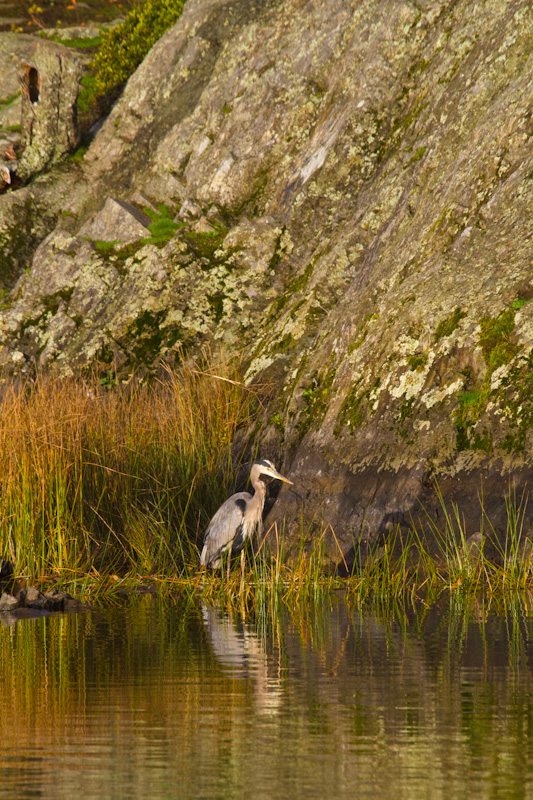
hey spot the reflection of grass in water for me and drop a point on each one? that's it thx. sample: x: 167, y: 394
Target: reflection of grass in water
x: 307, y: 674
x: 160, y: 633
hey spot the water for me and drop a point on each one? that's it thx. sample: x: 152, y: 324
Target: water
x: 161, y: 699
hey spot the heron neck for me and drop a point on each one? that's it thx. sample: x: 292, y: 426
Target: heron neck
x: 259, y: 493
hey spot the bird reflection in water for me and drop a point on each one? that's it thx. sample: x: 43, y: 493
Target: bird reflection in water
x: 241, y: 654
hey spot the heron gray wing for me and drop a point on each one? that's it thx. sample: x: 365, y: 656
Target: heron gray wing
x: 224, y: 528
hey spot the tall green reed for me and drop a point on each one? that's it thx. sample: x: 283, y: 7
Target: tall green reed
x: 121, y: 479
x: 414, y: 566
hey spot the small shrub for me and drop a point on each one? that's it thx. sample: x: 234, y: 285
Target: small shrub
x: 125, y: 46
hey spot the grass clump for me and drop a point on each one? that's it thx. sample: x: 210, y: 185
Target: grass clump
x: 162, y: 228
x: 113, y: 479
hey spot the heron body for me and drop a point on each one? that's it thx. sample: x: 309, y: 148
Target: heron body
x: 238, y: 518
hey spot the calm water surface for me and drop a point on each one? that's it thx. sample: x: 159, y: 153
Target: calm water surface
x: 161, y: 699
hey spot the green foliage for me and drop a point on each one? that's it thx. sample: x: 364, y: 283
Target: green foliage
x: 277, y: 420
x: 87, y: 94
x: 105, y: 247
x: 78, y: 154
x: 77, y: 42
x: 469, y: 399
x: 125, y: 46
x: 519, y: 303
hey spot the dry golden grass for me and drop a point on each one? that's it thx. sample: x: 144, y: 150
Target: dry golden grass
x: 120, y: 479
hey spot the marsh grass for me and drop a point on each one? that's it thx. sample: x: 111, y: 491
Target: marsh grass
x: 114, y: 481
x: 416, y: 567
x: 105, y: 486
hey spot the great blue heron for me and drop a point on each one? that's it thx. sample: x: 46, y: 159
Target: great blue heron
x: 238, y: 518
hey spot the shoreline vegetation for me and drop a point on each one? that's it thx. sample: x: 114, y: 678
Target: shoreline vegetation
x: 108, y: 488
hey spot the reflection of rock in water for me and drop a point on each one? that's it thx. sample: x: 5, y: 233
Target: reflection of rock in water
x: 241, y: 653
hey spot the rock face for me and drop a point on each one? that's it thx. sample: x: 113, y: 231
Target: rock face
x: 50, y: 81
x: 342, y: 188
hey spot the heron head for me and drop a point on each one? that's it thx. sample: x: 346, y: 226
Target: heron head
x: 267, y: 468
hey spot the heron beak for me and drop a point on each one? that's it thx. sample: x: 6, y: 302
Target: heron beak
x: 281, y: 478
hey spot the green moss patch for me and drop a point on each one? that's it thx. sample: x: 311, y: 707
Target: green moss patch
x: 105, y: 247
x: 355, y: 406
x: 418, y: 155
x: 216, y: 303
x: 316, y: 401
x: 76, y: 42
x: 417, y: 360
x: 495, y: 339
x: 514, y: 396
x: 471, y: 406
x: 447, y: 326
x: 206, y: 243
x: 519, y: 303
x: 162, y: 228
x: 147, y: 335
x: 117, y: 253
x: 78, y: 154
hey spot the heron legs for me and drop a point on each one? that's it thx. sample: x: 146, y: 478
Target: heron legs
x: 228, y: 567
x: 242, y: 569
